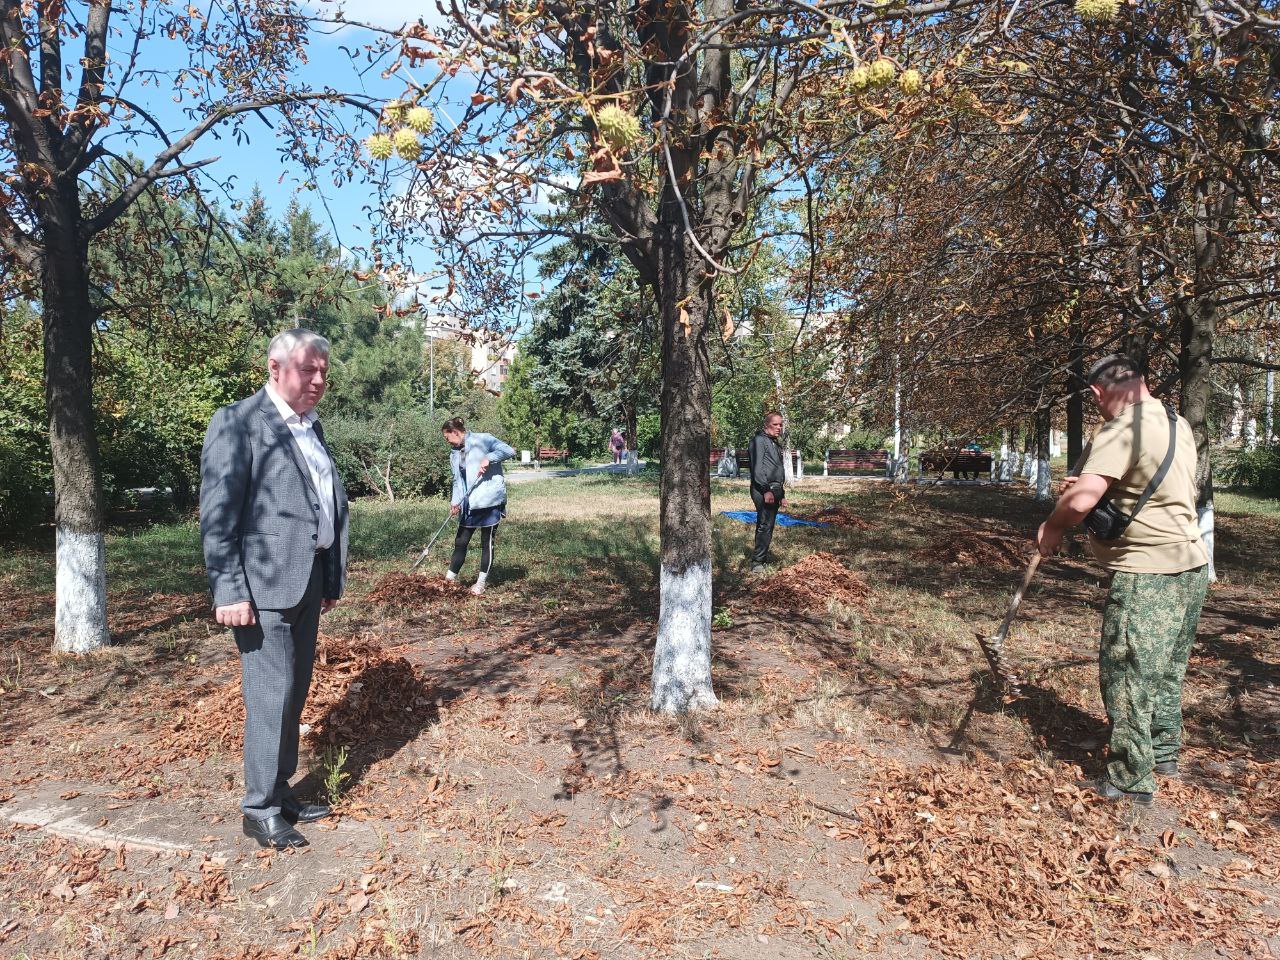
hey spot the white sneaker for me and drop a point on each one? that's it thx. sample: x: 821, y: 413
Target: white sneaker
x: 477, y: 589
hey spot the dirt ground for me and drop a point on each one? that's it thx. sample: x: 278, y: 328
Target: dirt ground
x: 863, y: 789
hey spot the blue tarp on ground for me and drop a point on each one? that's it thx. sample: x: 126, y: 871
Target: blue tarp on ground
x: 784, y: 520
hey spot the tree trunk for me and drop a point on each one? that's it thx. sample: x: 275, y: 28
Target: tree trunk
x: 1044, y: 482
x: 682, y: 656
x: 1198, y: 322
x: 1075, y: 409
x: 80, y: 622
x: 1270, y: 410
x: 1250, y: 404
x: 1074, y: 429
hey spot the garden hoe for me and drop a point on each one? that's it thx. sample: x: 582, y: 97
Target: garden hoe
x: 993, y: 646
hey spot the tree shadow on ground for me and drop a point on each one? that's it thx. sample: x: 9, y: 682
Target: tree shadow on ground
x: 386, y: 706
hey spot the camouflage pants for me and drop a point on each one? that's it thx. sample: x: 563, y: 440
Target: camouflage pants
x: 1148, y: 627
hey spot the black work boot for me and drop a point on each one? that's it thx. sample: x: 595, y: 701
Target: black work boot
x: 1167, y: 768
x: 1109, y: 791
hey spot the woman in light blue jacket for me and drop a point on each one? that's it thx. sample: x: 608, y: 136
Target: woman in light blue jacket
x: 479, y: 494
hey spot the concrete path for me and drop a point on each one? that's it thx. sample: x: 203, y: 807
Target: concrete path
x: 94, y: 815
x: 524, y: 476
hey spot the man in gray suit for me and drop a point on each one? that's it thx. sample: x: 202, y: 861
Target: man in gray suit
x: 273, y: 521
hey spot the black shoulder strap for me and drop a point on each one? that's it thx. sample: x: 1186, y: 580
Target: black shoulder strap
x: 1164, y: 464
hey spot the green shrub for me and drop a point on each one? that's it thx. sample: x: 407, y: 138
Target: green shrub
x: 403, y: 452
x: 1257, y: 469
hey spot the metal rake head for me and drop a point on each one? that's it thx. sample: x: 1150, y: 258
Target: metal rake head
x: 993, y: 650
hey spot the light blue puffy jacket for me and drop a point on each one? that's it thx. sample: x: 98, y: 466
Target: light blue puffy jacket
x: 492, y: 488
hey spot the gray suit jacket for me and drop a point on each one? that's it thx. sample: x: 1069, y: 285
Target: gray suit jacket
x: 259, y: 510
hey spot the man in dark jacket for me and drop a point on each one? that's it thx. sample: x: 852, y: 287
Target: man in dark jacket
x: 766, y: 485
x: 273, y: 521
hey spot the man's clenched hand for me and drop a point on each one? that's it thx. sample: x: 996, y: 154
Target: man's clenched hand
x: 236, y: 614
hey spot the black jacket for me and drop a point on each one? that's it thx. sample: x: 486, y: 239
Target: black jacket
x: 766, y: 464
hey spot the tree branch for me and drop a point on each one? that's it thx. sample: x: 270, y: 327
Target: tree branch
x: 112, y: 211
x: 1246, y: 362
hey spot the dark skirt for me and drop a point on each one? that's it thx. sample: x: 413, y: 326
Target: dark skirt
x: 483, y: 517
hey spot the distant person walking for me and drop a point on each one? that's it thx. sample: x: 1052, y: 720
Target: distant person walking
x: 617, y: 445
x: 479, y: 495
x: 273, y: 523
x: 767, y: 493
x: 1136, y: 495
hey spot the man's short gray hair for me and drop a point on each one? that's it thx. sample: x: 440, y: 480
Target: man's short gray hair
x: 283, y: 344
x: 1109, y: 371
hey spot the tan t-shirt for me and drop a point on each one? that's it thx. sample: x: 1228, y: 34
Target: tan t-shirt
x: 1164, y: 537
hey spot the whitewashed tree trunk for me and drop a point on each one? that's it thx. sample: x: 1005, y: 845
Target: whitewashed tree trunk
x: 80, y: 621
x: 902, y: 462
x: 682, y: 658
x: 1237, y: 413
x: 1043, y: 452
x: 1044, y: 481
x: 1270, y: 413
x: 1250, y: 432
x: 682, y: 653
x: 79, y: 513
x: 1204, y: 516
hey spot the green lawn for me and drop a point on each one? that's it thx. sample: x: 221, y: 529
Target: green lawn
x: 1242, y: 501
x: 559, y: 530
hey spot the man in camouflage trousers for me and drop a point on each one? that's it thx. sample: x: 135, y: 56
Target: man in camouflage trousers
x: 1159, y: 571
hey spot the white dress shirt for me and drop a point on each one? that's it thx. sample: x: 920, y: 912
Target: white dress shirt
x: 317, y: 460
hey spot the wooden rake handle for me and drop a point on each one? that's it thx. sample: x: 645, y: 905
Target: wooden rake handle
x: 1016, y: 600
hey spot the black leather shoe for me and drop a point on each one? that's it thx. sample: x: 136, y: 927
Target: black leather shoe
x: 295, y: 811
x: 1109, y: 791
x: 1169, y: 768
x: 275, y: 832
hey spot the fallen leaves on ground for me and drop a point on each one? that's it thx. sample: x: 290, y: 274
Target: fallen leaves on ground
x: 811, y: 585
x: 406, y: 589
x: 837, y: 515
x: 1019, y: 853
x: 361, y: 693
x: 980, y: 550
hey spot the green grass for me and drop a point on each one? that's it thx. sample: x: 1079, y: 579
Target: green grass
x: 565, y: 531
x: 1242, y: 501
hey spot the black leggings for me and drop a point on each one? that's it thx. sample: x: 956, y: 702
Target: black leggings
x: 463, y: 540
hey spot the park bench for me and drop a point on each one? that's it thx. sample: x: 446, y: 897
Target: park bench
x: 552, y: 454
x: 743, y: 456
x: 854, y: 460
x: 957, y: 461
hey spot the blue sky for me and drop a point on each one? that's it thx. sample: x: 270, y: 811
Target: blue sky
x: 344, y: 209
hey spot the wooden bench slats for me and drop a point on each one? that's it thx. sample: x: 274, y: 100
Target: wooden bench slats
x: 857, y: 460
x: 958, y: 461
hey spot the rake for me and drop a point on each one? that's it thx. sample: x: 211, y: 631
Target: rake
x: 426, y: 551
x: 993, y: 646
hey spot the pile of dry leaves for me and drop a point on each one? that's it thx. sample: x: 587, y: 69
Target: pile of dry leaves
x: 361, y: 692
x: 978, y: 550
x: 407, y: 589
x: 837, y: 516
x: 811, y: 585
x: 1020, y: 854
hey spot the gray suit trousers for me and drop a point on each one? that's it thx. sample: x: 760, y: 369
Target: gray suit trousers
x: 276, y: 658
